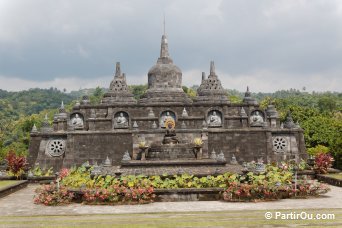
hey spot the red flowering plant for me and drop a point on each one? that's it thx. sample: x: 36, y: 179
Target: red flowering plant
x: 16, y: 164
x: 307, y: 188
x: 323, y: 162
x: 116, y: 194
x: 238, y: 192
x: 52, y: 195
x: 63, y: 173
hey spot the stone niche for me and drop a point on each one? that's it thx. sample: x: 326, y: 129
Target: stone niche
x: 257, y: 118
x: 214, y: 118
x: 76, y: 121
x: 121, y: 120
x: 164, y: 116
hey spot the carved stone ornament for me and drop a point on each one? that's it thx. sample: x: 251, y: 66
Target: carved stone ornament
x: 280, y: 144
x: 55, y: 147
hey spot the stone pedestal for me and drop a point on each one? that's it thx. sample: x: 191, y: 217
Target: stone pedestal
x: 143, y: 152
x: 198, y: 152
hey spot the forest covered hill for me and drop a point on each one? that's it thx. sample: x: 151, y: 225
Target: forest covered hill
x: 319, y: 114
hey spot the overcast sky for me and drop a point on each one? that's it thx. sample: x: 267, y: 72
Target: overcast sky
x: 266, y: 44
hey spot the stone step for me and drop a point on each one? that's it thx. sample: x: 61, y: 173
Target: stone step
x: 190, y: 162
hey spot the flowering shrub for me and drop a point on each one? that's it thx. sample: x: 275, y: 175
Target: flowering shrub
x: 118, y: 194
x: 274, y: 183
x: 249, y: 192
x: 323, y: 162
x: 50, y: 195
x: 265, y: 191
x: 311, y: 188
x: 16, y: 164
x: 63, y: 173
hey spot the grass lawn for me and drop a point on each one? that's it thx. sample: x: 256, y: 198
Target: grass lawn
x: 335, y: 175
x: 185, y: 219
x: 5, y: 183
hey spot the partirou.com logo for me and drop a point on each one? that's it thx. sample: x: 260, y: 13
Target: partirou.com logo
x: 278, y: 215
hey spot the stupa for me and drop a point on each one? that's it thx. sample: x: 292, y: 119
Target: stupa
x: 123, y: 127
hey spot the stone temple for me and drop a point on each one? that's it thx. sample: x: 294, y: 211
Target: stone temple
x: 162, y: 127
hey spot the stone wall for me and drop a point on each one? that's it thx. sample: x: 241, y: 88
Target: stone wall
x: 95, y: 146
x: 99, y: 138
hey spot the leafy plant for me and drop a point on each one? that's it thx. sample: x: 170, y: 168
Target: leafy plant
x: 16, y: 164
x: 38, y: 172
x: 266, y: 191
x: 78, y: 177
x: 319, y: 149
x: 198, y: 142
x: 323, y: 162
x: 302, y: 165
x: 142, y: 144
x: 118, y: 194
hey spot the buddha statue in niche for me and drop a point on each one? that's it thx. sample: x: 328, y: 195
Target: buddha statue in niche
x: 214, y: 120
x: 77, y: 122
x: 121, y: 121
x: 256, y: 119
x: 164, y: 118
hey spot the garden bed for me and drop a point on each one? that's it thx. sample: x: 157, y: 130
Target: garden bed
x: 9, y: 186
x: 78, y: 185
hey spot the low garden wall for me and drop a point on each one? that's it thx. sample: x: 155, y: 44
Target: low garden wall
x: 17, y: 185
x: 330, y: 180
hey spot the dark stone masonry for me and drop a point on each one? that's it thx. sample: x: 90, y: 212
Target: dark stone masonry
x: 166, y: 125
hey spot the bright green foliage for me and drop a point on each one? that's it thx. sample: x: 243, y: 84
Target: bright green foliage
x: 319, y: 149
x: 138, y: 90
x: 319, y: 114
x: 96, y: 97
x: 235, y: 99
x: 190, y: 92
x: 78, y: 177
x: 38, y: 172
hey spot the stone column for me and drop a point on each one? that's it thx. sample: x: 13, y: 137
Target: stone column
x: 204, y: 137
x: 269, y: 147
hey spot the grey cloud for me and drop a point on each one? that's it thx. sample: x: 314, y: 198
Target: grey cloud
x: 45, y: 39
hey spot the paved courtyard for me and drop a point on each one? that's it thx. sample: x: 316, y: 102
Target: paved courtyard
x: 21, y: 204
x: 18, y: 210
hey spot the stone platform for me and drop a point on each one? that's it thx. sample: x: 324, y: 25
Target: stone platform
x: 167, y: 152
x: 198, y: 170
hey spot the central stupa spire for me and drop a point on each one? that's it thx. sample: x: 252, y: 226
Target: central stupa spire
x: 165, y: 80
x: 164, y: 50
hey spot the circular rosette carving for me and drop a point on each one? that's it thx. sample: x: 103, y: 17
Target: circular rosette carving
x: 55, y: 147
x: 279, y: 144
